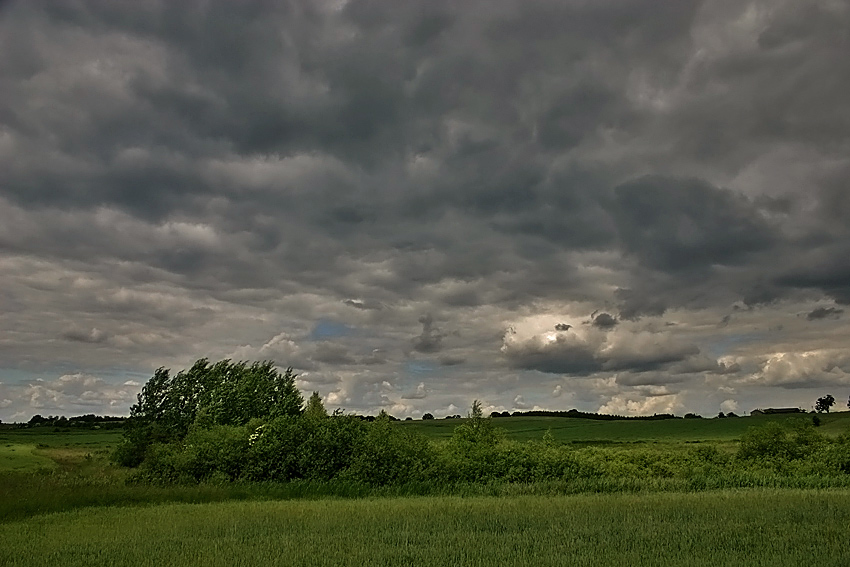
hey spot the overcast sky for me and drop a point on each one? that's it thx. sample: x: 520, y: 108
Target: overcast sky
x: 620, y: 206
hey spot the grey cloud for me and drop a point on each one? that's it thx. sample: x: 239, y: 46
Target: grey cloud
x: 452, y: 360
x: 827, y: 275
x: 570, y: 353
x: 76, y: 334
x: 824, y: 313
x: 649, y: 379
x: 374, y: 358
x: 566, y: 354
x: 431, y: 339
x: 78, y: 392
x: 634, y: 304
x: 201, y: 176
x: 330, y: 353
x: 681, y: 224
x: 803, y: 370
x: 604, y: 321
x: 419, y: 394
x: 359, y: 304
x: 645, y: 351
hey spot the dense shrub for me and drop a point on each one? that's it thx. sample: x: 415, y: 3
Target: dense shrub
x: 777, y: 444
x: 390, y: 455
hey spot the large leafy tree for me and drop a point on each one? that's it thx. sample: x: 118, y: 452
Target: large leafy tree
x: 223, y: 393
x: 823, y: 404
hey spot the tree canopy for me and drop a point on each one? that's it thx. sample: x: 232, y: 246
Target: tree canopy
x: 221, y: 393
x: 824, y: 403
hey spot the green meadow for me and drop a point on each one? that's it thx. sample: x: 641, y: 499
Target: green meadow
x: 669, y: 492
x: 726, y: 528
x: 578, y: 430
x: 23, y: 457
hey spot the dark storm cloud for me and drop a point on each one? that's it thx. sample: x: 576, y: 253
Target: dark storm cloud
x: 685, y: 224
x: 634, y: 303
x: 568, y: 352
x: 604, y: 321
x: 183, y: 176
x: 828, y: 275
x: 824, y: 313
x: 361, y: 87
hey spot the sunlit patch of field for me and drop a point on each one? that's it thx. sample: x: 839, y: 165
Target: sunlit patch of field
x: 21, y: 457
x: 723, y: 528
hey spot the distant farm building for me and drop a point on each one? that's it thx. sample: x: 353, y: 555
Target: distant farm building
x: 771, y: 411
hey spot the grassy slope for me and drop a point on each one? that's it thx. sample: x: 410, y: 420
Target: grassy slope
x: 31, y: 450
x: 754, y: 528
x: 91, y: 439
x: 22, y: 457
x: 569, y: 430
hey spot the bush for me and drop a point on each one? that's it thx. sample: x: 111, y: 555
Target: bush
x: 390, y: 455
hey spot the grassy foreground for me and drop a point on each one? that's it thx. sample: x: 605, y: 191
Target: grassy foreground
x: 753, y: 528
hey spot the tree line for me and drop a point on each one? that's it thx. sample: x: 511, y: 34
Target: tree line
x: 234, y: 421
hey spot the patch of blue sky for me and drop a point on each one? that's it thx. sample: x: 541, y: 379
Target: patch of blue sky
x: 723, y: 345
x: 419, y: 368
x: 327, y: 329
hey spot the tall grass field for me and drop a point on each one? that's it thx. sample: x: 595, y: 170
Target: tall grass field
x: 725, y: 528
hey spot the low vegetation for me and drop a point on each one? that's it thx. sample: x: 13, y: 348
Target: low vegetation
x: 279, y: 477
x: 230, y: 422
x: 726, y: 528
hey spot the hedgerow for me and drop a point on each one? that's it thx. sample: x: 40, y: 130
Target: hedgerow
x: 229, y: 439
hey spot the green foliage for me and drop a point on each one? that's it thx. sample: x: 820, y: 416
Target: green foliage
x: 224, y: 393
x: 795, y: 450
x: 390, y: 455
x: 207, y: 453
x: 478, y: 431
x: 315, y: 408
x: 316, y: 447
x: 823, y: 404
x: 23, y: 458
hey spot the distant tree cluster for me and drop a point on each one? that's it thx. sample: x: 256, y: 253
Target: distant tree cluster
x: 589, y: 415
x: 88, y: 420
